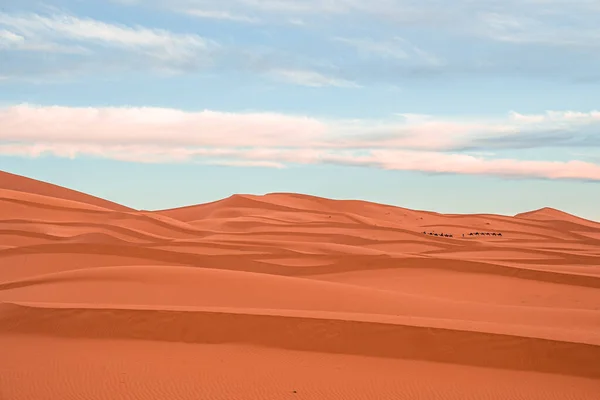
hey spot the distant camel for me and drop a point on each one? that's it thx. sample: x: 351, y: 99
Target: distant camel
x: 476, y: 233
x: 488, y: 234
x: 494, y: 234
x: 430, y: 234
x: 435, y: 234
x: 470, y: 233
x: 499, y: 234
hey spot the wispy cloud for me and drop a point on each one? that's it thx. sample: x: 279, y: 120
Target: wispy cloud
x: 500, y: 38
x: 540, y: 30
x: 401, y: 160
x: 18, y: 42
x: 10, y: 39
x: 261, y: 164
x: 417, y: 143
x: 108, y: 47
x: 220, y: 15
x: 527, y: 38
x: 310, y: 78
x: 298, y: 6
x: 551, y: 129
x: 67, y: 33
x: 546, y: 22
x: 385, y: 49
x: 396, y: 48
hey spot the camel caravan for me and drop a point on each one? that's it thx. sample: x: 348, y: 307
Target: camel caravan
x: 438, y: 234
x: 448, y: 235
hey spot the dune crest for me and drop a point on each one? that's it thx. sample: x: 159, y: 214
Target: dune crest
x: 310, y: 296
x: 27, y: 185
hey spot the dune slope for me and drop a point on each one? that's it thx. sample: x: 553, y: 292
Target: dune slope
x: 28, y: 185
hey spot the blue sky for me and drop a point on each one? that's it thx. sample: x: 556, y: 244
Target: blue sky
x: 473, y: 106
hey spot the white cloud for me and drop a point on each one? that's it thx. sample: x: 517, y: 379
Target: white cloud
x: 154, y: 125
x: 9, y: 39
x: 67, y: 33
x: 558, y: 116
x: 401, y: 160
x: 396, y: 48
x: 310, y: 78
x: 541, y: 30
x: 299, y: 6
x: 108, y: 46
x: 147, y: 125
x: 12, y: 41
x: 562, y: 22
x: 95, y: 46
x: 297, y: 21
x: 261, y: 164
x: 277, y: 7
x: 220, y: 15
x: 418, y: 143
x: 385, y: 49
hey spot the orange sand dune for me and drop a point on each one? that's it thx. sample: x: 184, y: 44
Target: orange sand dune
x: 287, y: 296
x: 27, y: 185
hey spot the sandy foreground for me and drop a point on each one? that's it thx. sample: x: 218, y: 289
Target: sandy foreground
x: 288, y: 296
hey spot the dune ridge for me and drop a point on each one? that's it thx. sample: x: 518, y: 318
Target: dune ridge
x: 388, y: 338
x: 285, y: 273
x: 27, y: 185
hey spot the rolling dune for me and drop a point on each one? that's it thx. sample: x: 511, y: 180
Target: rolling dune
x: 287, y: 296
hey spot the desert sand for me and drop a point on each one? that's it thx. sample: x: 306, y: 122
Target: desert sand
x: 290, y: 296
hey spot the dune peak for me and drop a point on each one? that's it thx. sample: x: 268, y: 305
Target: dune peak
x: 549, y: 213
x: 24, y: 184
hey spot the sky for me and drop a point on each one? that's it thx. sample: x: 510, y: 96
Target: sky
x: 468, y: 106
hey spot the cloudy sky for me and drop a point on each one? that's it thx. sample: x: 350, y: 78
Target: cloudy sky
x: 463, y: 106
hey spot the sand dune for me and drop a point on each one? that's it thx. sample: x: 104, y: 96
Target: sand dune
x: 27, y: 185
x: 292, y: 296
